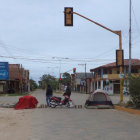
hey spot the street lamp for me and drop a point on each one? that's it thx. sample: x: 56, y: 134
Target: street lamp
x: 85, y: 75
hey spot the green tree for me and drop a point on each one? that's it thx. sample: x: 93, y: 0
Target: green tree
x: 48, y: 79
x: 66, y: 78
x: 134, y: 89
x: 33, y: 84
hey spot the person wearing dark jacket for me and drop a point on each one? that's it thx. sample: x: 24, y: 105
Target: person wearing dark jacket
x: 49, y: 93
x: 68, y: 90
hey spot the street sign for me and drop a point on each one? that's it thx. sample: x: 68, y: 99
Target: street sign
x: 68, y: 15
x: 119, y: 58
x: 4, y: 71
x: 121, y: 76
x: 107, y: 82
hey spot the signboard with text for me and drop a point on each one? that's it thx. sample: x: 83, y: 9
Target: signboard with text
x: 4, y: 71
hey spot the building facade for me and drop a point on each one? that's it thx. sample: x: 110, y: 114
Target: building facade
x: 18, y: 80
x: 81, y: 82
x: 107, y: 77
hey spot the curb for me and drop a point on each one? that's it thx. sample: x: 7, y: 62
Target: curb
x: 132, y: 111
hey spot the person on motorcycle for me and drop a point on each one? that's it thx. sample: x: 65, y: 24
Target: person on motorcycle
x: 49, y: 93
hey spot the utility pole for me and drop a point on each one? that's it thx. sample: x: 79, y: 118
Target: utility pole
x: 21, y: 78
x: 86, y: 77
x: 130, y: 36
x: 60, y: 81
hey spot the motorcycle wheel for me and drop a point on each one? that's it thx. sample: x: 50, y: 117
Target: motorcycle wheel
x: 53, y: 105
x: 68, y: 104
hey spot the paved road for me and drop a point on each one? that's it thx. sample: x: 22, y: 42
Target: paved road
x: 82, y: 124
x: 79, y: 124
x: 40, y: 94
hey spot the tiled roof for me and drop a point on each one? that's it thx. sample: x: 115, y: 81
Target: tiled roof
x: 135, y: 62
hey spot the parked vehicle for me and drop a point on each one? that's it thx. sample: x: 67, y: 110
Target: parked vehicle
x: 57, y: 101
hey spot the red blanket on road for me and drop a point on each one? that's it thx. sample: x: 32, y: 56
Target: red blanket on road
x: 26, y: 102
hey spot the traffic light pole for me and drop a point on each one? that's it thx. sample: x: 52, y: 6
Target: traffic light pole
x: 130, y: 37
x: 86, y: 77
x: 120, y: 48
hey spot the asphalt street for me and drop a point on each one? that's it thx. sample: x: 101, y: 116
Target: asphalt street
x: 82, y: 124
x: 73, y: 124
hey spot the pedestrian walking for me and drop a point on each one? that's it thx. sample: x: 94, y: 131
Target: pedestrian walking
x: 68, y: 90
x: 49, y: 93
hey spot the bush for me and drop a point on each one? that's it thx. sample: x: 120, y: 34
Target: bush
x: 129, y: 104
x: 134, y: 89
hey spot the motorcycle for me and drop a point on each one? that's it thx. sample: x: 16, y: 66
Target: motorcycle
x: 57, y: 101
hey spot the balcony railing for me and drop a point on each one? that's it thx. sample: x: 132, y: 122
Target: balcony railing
x: 113, y: 76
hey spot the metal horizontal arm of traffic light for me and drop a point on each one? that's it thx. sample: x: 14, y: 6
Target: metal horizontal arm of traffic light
x: 68, y: 12
x: 66, y: 71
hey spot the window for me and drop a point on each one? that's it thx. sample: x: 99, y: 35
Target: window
x: 118, y: 70
x: 110, y: 71
x: 134, y: 70
x: 105, y: 71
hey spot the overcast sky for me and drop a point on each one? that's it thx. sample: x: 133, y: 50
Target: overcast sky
x: 33, y: 32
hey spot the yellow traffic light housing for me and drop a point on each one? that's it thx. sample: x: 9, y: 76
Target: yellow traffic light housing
x: 68, y: 15
x: 119, y: 58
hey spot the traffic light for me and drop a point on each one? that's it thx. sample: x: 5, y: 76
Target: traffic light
x: 60, y: 79
x: 119, y: 58
x: 68, y: 15
x: 74, y: 70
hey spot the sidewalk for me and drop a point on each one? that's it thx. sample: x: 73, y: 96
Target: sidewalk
x: 116, y: 98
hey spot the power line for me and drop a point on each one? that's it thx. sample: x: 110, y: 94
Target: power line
x: 50, y: 61
x: 28, y: 59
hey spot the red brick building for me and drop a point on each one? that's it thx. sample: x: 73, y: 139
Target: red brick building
x: 18, y: 80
